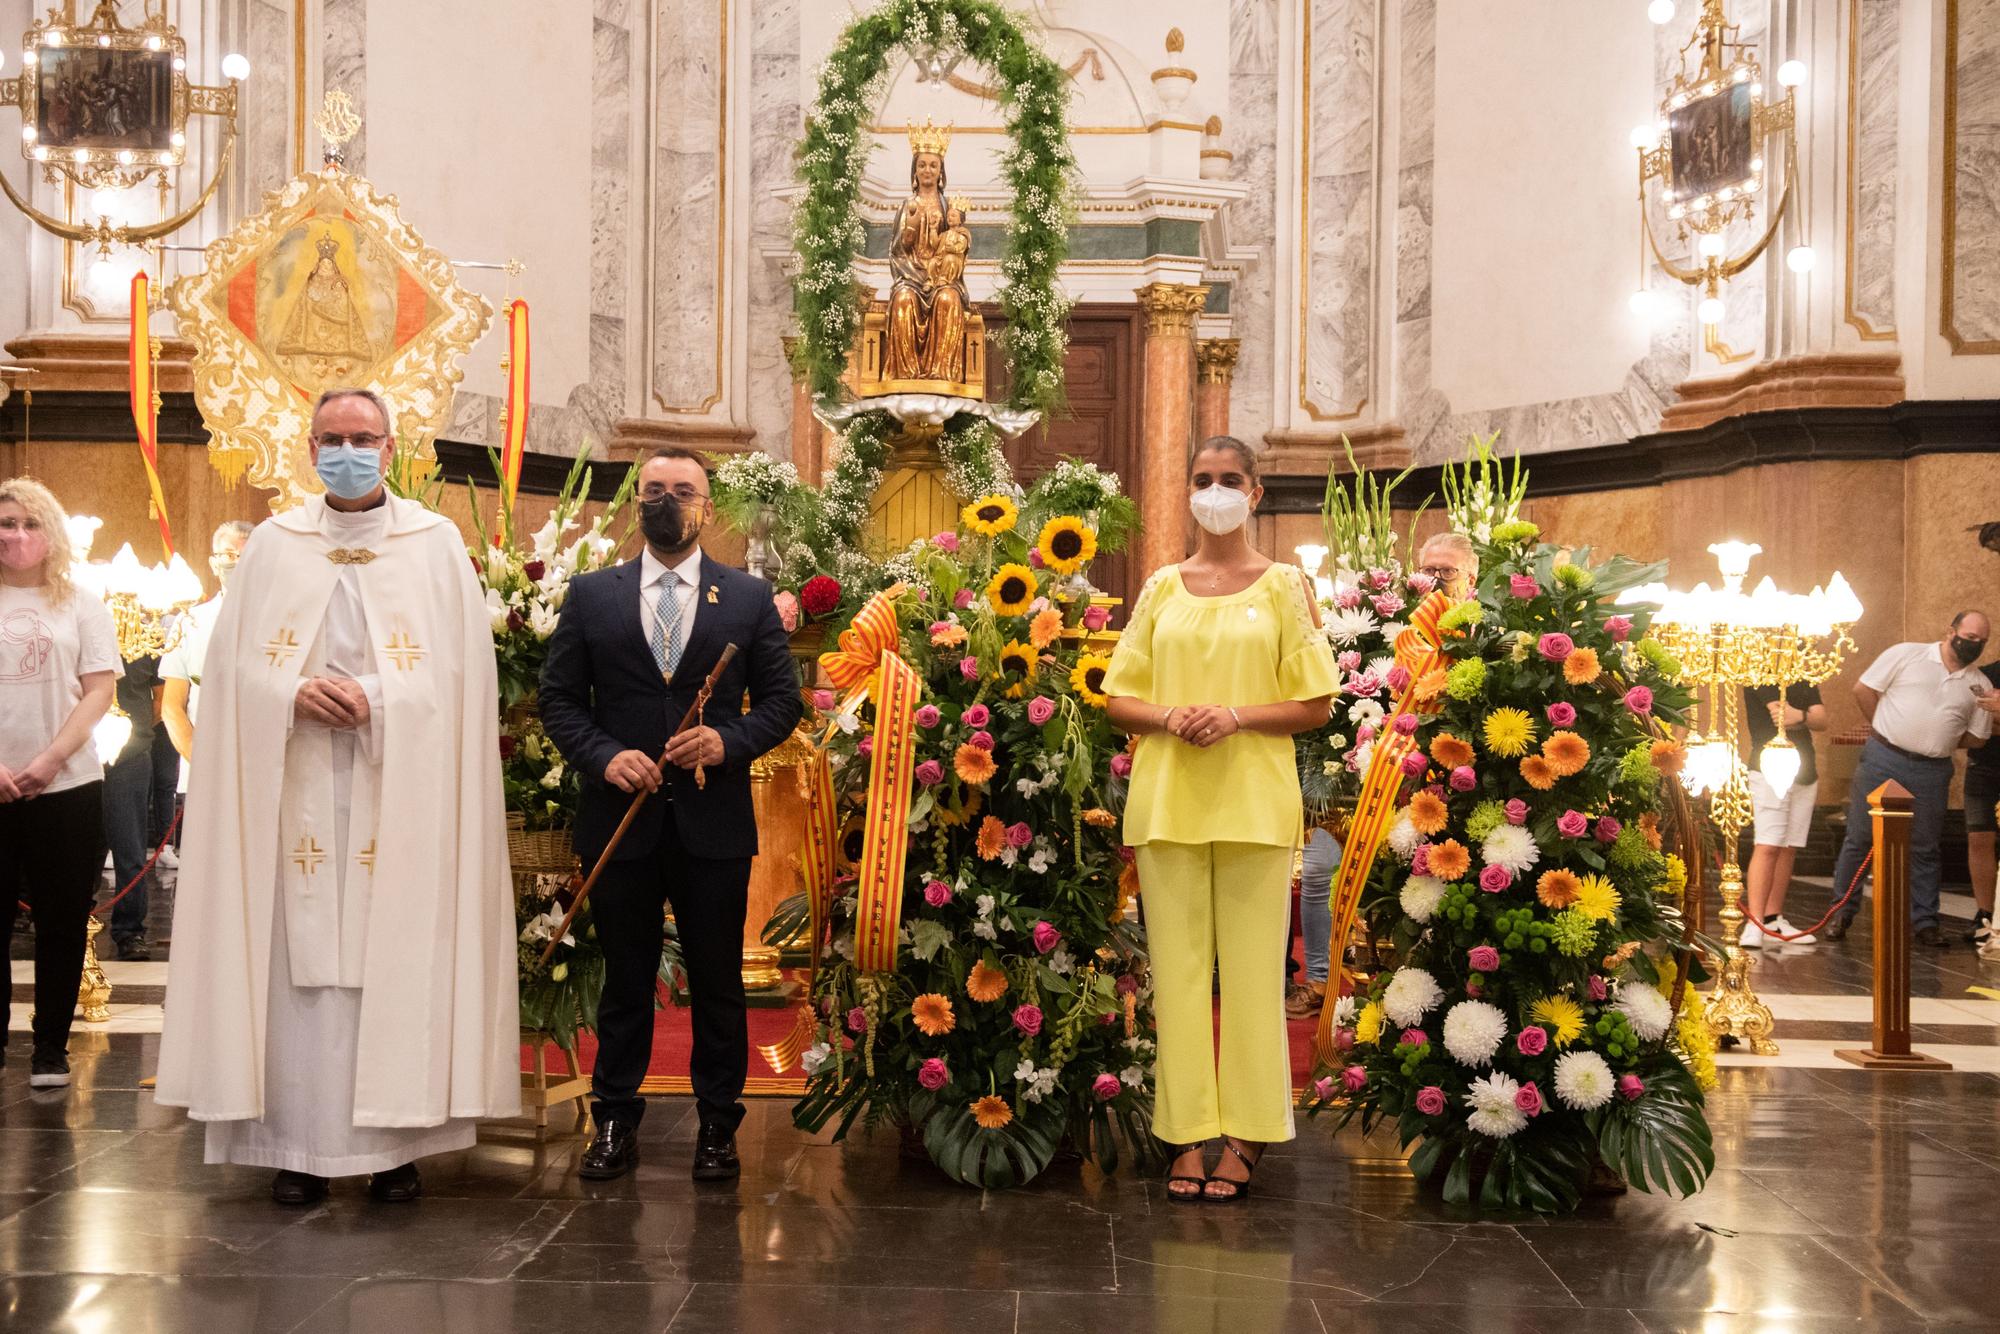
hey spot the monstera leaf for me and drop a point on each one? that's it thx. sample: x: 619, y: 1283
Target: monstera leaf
x: 992, y: 1159
x: 1661, y: 1140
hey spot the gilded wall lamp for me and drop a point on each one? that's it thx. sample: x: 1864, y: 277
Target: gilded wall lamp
x: 106, y: 107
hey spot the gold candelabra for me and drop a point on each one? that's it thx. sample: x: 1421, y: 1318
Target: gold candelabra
x: 1727, y: 639
x: 146, y: 602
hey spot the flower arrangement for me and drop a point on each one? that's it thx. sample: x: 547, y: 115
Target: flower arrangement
x: 560, y: 997
x: 1018, y: 1017
x: 1526, y: 1030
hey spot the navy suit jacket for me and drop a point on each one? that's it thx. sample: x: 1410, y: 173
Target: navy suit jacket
x: 601, y: 693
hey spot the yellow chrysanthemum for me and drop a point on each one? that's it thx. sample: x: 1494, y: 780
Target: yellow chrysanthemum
x: 1046, y: 628
x: 992, y: 1112
x: 1598, y: 898
x: 990, y: 516
x: 1067, y: 544
x: 1562, y: 1016
x: 1011, y: 589
x: 1677, y: 876
x: 1018, y: 662
x: 1368, y: 1024
x: 1508, y: 732
x: 1087, y: 679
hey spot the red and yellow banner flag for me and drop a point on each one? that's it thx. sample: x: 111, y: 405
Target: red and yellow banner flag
x: 146, y: 403
x: 514, y: 437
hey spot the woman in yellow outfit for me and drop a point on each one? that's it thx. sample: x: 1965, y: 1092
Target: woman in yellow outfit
x: 1222, y: 662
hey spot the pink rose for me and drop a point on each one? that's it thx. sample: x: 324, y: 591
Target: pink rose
x: 1532, y: 1040
x: 1019, y: 835
x: 1420, y: 860
x: 930, y: 773
x: 1128, y: 985
x: 1608, y: 830
x: 823, y: 700
x: 1517, y: 811
x: 1493, y: 879
x: 946, y: 541
x: 1631, y: 1088
x: 1572, y: 824
x: 1430, y: 1100
x: 1348, y: 661
x: 1034, y: 558
x: 968, y: 667
x: 1555, y: 646
x: 1415, y: 763
x: 1323, y: 1087
x: 1639, y: 699
x: 976, y: 716
x: 1398, y: 679
x: 1105, y: 1087
x: 1387, y: 605
x: 1522, y: 585
x: 1354, y: 1078
x: 933, y: 1074
x: 1096, y: 618
x: 964, y: 598
x: 1474, y: 990
x: 1463, y: 779
x: 1046, y: 937
x: 927, y: 716
x: 1415, y: 1037
x: 1347, y: 599
x: 1619, y: 628
x: 1528, y: 1099
x: 1343, y: 1039
x: 1561, y: 714
x: 1028, y: 1018
x: 937, y: 893
x: 1040, y: 709
x: 1598, y: 988
x: 866, y: 748
x: 1405, y: 724
x: 983, y: 740
x: 1483, y: 958
x: 1121, y: 765
x: 857, y: 1020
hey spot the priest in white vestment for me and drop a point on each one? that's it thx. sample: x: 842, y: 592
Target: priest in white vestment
x: 342, y: 997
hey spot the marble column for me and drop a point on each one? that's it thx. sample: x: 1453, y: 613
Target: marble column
x: 1166, y: 421
x: 808, y: 450
x: 1215, y: 373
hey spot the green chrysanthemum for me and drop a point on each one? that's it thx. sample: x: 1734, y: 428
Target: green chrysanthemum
x: 1461, y: 616
x: 1574, y: 577
x: 1486, y: 817
x: 1515, y: 530
x: 1465, y: 679
x: 1573, y: 932
x: 1631, y: 850
x: 1663, y: 662
x: 1637, y: 768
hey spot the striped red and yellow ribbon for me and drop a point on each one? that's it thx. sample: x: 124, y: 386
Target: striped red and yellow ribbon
x: 514, y: 439
x: 885, y: 837
x: 145, y: 403
x: 816, y: 857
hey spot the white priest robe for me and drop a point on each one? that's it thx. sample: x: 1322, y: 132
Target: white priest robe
x: 342, y: 998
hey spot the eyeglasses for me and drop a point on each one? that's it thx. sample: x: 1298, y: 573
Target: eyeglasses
x: 369, y: 440
x: 685, y: 492
x: 1444, y: 572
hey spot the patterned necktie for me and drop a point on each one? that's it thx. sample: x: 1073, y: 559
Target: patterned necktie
x: 666, y: 636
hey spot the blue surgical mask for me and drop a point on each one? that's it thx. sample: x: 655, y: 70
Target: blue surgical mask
x: 350, y: 472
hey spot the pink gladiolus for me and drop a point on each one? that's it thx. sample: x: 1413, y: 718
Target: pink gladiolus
x: 1121, y: 765
x: 1631, y: 1088
x: 1493, y: 879
x: 1105, y: 1087
x: 1096, y: 618
x: 1040, y: 709
x: 1561, y: 714
x: 927, y: 716
x: 1483, y: 958
x: 1019, y: 835
x: 1608, y: 830
x: 1028, y: 1018
x: 1430, y: 1100
x: 1405, y: 724
x: 1529, y: 1100
x: 930, y: 773
x: 823, y: 700
x: 1572, y: 824
x: 933, y: 1074
x: 1354, y: 1078
x: 1046, y: 937
x: 1597, y: 988
x: 1415, y: 763
x: 1517, y: 811
x: 946, y: 541
x: 1532, y: 1040
x: 1639, y: 699
x: 968, y: 667
x: 983, y: 740
x: 1556, y: 646
x: 1463, y: 779
x: 857, y: 1020
x: 1619, y: 628
x: 964, y: 598
x: 1522, y: 585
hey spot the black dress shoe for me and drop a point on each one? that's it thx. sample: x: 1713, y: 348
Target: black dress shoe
x: 715, y: 1155
x: 1932, y: 937
x: 298, y: 1188
x: 134, y: 949
x: 613, y: 1153
x: 1838, y: 928
x: 398, y: 1185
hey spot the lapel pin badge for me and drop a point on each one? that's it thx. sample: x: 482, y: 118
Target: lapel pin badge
x: 712, y: 598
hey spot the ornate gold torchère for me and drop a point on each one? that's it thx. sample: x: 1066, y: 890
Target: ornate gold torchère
x: 1727, y: 639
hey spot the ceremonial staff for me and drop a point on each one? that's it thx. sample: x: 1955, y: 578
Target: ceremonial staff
x: 692, y: 718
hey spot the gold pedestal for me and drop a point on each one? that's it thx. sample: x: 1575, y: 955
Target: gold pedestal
x: 1733, y: 1009
x: 761, y: 970
x: 95, y: 993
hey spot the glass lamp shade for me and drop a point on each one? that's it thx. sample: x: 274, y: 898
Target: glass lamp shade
x: 113, y: 730
x: 82, y: 529
x: 1841, y: 602
x: 1692, y: 775
x: 1310, y: 557
x: 126, y: 574
x: 180, y: 584
x: 1779, y: 763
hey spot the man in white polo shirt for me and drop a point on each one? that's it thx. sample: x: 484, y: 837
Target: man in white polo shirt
x: 1922, y: 702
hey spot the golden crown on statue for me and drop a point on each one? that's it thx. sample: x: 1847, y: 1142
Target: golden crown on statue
x: 962, y: 204
x: 929, y: 137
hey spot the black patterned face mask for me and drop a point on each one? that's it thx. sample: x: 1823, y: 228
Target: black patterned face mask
x: 663, y: 522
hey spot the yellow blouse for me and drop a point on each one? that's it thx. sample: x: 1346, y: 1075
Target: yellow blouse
x: 1257, y: 646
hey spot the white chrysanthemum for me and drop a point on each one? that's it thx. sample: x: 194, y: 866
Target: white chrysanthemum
x: 1583, y: 1080
x: 1472, y: 1032
x: 1381, y: 666
x: 1344, y: 1011
x: 1421, y: 896
x: 1492, y: 1102
x: 1403, y: 837
x: 1511, y: 846
x: 1647, y: 1009
x: 1410, y: 995
x: 1346, y: 625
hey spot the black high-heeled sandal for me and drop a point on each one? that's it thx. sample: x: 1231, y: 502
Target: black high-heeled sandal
x: 1237, y: 1189
x: 1199, y: 1183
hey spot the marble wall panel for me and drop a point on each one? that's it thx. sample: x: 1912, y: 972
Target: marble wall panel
x: 344, y: 66
x: 1875, y: 54
x: 1973, y: 273
x: 691, y: 64
x: 775, y: 117
x: 1250, y: 124
x: 1339, y: 224
x: 264, y: 120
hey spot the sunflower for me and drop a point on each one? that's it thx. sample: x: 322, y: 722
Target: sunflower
x: 1087, y: 679
x: 932, y: 1015
x: 1566, y: 753
x: 1540, y: 774
x: 989, y: 516
x: 1045, y: 628
x: 1598, y: 898
x: 1017, y: 667
x: 1449, y: 751
x: 1669, y: 757
x: 1011, y: 589
x: 991, y: 1112
x: 1558, y: 888
x: 985, y: 983
x: 973, y: 764
x: 992, y: 838
x: 951, y: 817
x: 1562, y: 1016
x: 1427, y: 813
x: 1449, y: 860
x: 1580, y: 668
x: 1067, y: 544
x: 1508, y: 732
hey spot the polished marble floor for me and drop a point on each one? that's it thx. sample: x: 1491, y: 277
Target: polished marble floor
x: 1842, y: 1200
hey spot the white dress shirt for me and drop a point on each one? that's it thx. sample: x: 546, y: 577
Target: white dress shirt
x: 1925, y: 708
x: 651, y: 574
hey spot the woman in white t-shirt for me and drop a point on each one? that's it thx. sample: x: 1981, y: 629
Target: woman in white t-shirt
x: 58, y: 667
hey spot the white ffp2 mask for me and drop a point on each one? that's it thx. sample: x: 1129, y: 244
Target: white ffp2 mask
x: 1220, y: 509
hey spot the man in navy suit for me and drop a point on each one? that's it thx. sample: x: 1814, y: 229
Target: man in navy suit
x: 631, y: 650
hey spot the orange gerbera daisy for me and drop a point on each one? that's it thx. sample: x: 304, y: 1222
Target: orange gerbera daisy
x: 1099, y: 818
x: 1541, y: 775
x: 992, y: 1113
x: 1449, y: 751
x: 1649, y: 826
x: 1669, y: 757
x: 1045, y: 628
x: 984, y: 983
x: 992, y: 838
x: 1449, y: 860
x: 1580, y: 668
x: 1557, y: 889
x: 948, y: 634
x: 974, y: 765
x: 1427, y: 813
x: 1430, y: 685
x: 932, y: 1015
x: 1566, y: 753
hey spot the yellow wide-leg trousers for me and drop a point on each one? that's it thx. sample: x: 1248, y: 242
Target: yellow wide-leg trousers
x: 1204, y: 903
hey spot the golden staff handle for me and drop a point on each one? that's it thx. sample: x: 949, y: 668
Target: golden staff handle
x: 692, y: 718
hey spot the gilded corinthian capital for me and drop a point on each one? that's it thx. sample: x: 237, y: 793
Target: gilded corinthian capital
x: 1215, y: 358
x: 1171, y: 308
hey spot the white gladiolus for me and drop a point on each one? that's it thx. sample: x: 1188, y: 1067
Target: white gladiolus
x: 1583, y: 1080
x: 1473, y: 1030
x: 496, y: 610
